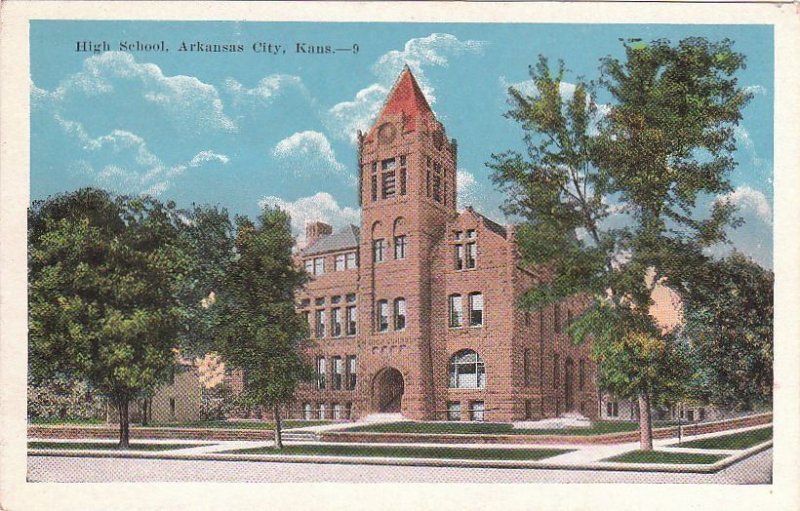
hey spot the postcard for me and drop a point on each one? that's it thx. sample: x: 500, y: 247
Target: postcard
x: 430, y: 255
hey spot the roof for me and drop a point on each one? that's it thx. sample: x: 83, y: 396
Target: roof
x: 407, y: 99
x: 342, y: 239
x: 490, y: 224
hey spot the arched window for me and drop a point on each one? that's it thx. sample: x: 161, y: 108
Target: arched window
x: 467, y: 371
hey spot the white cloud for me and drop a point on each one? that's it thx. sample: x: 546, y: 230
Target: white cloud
x: 208, y: 156
x: 320, y: 207
x: 419, y: 53
x: 758, y: 90
x: 185, y: 101
x: 749, y: 201
x: 466, y: 189
x: 267, y: 89
x: 528, y: 88
x: 308, y: 153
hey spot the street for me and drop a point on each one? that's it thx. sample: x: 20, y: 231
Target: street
x: 754, y: 470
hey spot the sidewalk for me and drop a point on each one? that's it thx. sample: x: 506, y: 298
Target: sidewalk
x: 580, y: 457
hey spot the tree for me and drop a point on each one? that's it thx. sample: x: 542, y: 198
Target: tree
x: 102, y: 293
x: 607, y: 194
x: 729, y: 322
x: 260, y: 330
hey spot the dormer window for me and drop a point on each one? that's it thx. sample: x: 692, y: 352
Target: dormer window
x: 319, y: 266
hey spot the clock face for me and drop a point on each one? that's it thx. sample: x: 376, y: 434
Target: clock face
x: 386, y: 133
x: 438, y: 139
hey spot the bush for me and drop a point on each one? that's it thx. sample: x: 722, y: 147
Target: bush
x: 63, y: 398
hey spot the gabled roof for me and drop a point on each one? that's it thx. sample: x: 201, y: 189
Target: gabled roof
x: 342, y: 239
x: 489, y: 223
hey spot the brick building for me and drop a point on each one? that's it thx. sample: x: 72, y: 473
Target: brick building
x: 413, y: 311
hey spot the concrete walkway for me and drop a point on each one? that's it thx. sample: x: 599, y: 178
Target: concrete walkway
x: 580, y: 457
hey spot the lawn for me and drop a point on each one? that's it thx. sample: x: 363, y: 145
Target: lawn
x: 492, y: 428
x: 666, y: 457
x: 106, y: 446
x: 741, y: 440
x: 222, y: 424
x: 486, y: 454
x: 69, y: 420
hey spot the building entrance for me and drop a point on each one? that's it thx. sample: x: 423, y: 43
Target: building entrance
x: 387, y: 391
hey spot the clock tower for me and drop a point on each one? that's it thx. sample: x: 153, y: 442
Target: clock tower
x: 408, y: 194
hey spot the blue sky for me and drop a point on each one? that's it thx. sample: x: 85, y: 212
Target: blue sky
x: 244, y: 129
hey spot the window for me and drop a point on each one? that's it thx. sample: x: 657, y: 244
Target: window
x: 528, y: 409
x: 476, y: 411
x: 319, y: 301
x: 454, y: 410
x: 351, y: 372
x: 459, y: 256
x: 320, y: 373
x: 350, y: 298
x: 336, y: 299
x: 350, y: 262
x: 459, y: 235
x: 389, y: 164
x: 471, y: 233
x: 400, y: 314
x: 399, y: 247
x: 472, y: 255
x: 351, y: 317
x: 322, y: 411
x: 338, y: 373
x: 702, y: 412
x: 308, y: 412
x: 456, y: 313
x: 402, y: 161
x: 690, y: 415
x: 337, y: 411
x: 612, y: 409
x: 340, y: 263
x: 555, y: 372
x: 581, y: 373
x: 467, y: 371
x: 374, y: 189
x: 319, y: 322
x: 403, y: 181
x: 310, y: 266
x: 388, y: 185
x: 319, y: 265
x: 526, y: 366
x: 377, y: 251
x: 374, y: 166
x: 305, y: 302
x: 557, y: 318
x: 437, y: 182
x: 475, y: 309
x: 348, y: 410
x: 383, y: 316
x: 336, y: 324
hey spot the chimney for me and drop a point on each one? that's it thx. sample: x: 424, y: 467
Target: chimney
x: 315, y: 231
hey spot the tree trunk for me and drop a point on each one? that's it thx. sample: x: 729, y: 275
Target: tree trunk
x: 144, y: 411
x: 276, y: 413
x: 124, y: 424
x: 645, y: 423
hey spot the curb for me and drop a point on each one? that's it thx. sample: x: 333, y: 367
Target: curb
x: 420, y: 462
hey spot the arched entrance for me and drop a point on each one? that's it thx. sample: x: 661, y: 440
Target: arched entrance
x: 387, y: 391
x: 569, y: 385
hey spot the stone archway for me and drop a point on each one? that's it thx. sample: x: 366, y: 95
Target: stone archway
x: 387, y: 391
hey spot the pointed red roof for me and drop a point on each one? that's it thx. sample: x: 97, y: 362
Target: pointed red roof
x: 406, y: 98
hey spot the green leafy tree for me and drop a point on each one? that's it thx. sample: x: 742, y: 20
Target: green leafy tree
x: 102, y: 293
x: 607, y: 194
x: 260, y: 330
x: 729, y: 322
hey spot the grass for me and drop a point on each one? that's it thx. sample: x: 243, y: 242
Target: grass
x: 741, y: 440
x: 223, y: 424
x: 69, y: 420
x: 492, y: 428
x: 106, y: 446
x: 666, y: 457
x: 486, y: 454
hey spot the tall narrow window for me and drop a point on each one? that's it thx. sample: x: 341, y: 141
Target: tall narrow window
x: 320, y: 373
x: 377, y: 251
x: 319, y: 321
x: 454, y: 410
x: 383, y: 316
x: 351, y: 372
x: 472, y: 254
x: 337, y: 411
x: 319, y: 266
x: 475, y: 309
x: 403, y: 181
x: 308, y: 413
x: 340, y: 263
x: 459, y: 256
x: 310, y: 266
x: 336, y: 324
x: 437, y: 182
x: 322, y: 412
x: 338, y: 373
x: 388, y: 188
x: 476, y: 411
x: 456, y: 312
x: 352, y: 317
x: 399, y: 247
x: 351, y: 261
x: 374, y: 188
x: 526, y: 366
x: 400, y: 314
